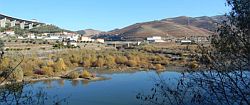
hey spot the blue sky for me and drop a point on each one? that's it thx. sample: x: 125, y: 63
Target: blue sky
x: 107, y: 14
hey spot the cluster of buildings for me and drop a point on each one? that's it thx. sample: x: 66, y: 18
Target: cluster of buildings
x: 63, y: 37
x: 7, y: 33
x: 155, y: 39
x: 183, y: 40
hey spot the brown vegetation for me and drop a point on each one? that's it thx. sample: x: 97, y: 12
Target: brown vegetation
x: 85, y: 74
x: 48, y: 70
x: 159, y: 67
x: 146, y: 58
x: 73, y: 75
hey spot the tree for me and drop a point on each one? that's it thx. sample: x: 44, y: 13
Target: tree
x: 17, y: 75
x: 233, y: 39
x: 1, y: 44
x: 2, y: 29
x: 225, y: 80
x: 25, y: 94
x: 10, y: 67
x: 19, y: 31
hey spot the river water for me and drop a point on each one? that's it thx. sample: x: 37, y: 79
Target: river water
x: 120, y: 89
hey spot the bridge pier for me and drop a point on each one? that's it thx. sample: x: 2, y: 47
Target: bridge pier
x: 31, y: 26
x: 13, y: 23
x: 3, y: 22
x: 22, y: 25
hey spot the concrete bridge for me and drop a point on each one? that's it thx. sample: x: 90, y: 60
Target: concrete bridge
x: 8, y: 21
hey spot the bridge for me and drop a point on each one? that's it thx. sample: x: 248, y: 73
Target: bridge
x: 8, y: 21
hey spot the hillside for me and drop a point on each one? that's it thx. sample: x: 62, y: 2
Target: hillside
x: 89, y: 32
x: 205, y: 22
x: 48, y: 29
x: 173, y: 27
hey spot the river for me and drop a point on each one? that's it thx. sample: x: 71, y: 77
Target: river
x: 120, y: 89
x: 123, y: 88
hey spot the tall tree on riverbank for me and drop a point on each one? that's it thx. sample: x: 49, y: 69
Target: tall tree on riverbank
x: 233, y: 39
x: 227, y: 79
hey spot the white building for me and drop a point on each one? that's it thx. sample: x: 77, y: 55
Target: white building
x: 100, y: 40
x: 86, y: 39
x: 72, y: 44
x: 186, y: 41
x: 20, y: 37
x: 156, y: 39
x: 73, y: 37
x: 57, y: 37
x: 68, y: 33
x: 9, y: 32
x: 31, y: 36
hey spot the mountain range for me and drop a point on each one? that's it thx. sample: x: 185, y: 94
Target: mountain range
x: 171, y: 27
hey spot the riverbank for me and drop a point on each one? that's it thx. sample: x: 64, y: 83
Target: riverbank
x: 134, y: 69
x: 32, y: 79
x: 105, y: 61
x: 99, y: 71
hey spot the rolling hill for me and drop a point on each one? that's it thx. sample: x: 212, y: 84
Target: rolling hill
x: 172, y: 27
x: 89, y: 32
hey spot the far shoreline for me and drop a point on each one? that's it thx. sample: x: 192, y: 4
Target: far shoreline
x: 99, y: 71
x: 99, y: 78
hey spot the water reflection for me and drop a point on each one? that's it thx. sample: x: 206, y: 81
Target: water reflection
x: 120, y: 90
x: 200, y: 88
x: 61, y: 82
x: 74, y: 82
x: 85, y: 82
x: 26, y: 94
x: 48, y: 83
